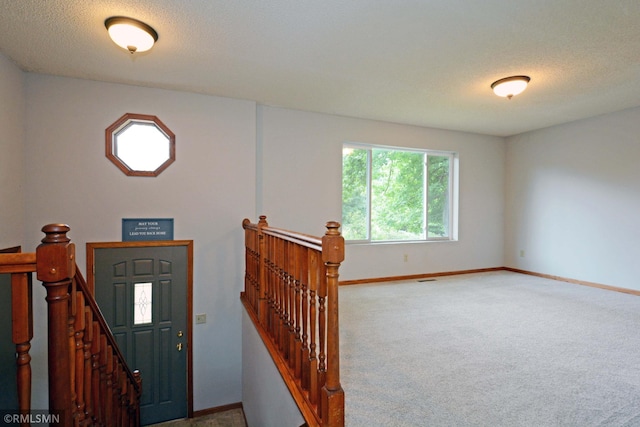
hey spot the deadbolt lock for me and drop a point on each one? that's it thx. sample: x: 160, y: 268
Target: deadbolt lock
x: 180, y: 334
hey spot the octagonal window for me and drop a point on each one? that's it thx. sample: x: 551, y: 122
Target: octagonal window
x: 140, y: 145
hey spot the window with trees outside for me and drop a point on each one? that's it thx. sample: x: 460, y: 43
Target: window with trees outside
x: 396, y: 194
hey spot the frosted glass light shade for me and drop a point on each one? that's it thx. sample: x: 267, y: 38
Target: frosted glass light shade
x: 510, y: 86
x: 131, y: 34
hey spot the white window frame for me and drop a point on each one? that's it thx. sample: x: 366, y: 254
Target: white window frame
x: 453, y: 187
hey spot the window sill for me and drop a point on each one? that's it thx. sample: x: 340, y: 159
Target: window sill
x: 399, y: 242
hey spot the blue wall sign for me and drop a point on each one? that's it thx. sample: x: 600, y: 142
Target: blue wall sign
x: 134, y: 229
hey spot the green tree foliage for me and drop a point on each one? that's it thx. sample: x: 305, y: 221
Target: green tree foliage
x: 438, y: 203
x: 397, y: 190
x: 397, y: 195
x: 354, y: 194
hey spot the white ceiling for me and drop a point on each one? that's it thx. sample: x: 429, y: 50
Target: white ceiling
x: 421, y: 62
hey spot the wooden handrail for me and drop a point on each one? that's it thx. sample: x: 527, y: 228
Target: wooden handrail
x: 291, y: 294
x: 89, y: 381
x: 17, y: 263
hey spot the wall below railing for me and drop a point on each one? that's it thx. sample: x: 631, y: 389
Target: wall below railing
x: 265, y: 397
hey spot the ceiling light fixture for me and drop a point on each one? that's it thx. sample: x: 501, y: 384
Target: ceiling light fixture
x: 510, y: 86
x: 131, y: 34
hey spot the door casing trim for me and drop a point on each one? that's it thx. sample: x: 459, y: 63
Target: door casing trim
x: 90, y: 253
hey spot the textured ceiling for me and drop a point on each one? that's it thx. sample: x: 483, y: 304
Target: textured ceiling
x: 421, y: 62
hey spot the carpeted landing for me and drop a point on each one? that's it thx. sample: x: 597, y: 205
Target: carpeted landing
x: 230, y: 418
x: 491, y: 349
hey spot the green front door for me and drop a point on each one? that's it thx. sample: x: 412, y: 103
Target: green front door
x: 142, y: 292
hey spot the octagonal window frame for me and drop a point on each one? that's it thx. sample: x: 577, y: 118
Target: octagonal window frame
x: 124, y: 123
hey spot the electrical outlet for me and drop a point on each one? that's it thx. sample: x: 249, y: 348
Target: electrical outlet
x: 201, y: 318
x: 406, y: 257
x: 521, y: 253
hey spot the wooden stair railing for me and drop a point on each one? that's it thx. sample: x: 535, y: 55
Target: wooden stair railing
x: 90, y: 383
x: 291, y: 294
x: 21, y: 266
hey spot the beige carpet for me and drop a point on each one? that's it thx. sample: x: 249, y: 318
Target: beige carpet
x: 230, y: 418
x: 494, y: 349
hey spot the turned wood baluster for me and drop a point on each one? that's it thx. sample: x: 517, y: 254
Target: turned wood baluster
x: 248, y: 284
x: 322, y: 336
x: 108, y: 392
x: 332, y: 394
x: 96, y: 373
x: 286, y: 279
x: 276, y: 289
x: 131, y: 403
x: 284, y: 331
x: 116, y: 391
x: 273, y: 287
x: 72, y: 350
x: 284, y: 325
x: 314, y: 279
x: 252, y: 283
x: 288, y: 290
x: 279, y: 298
x: 79, y: 331
x: 138, y: 378
x: 275, y: 278
x: 255, y: 271
x: 88, y: 371
x: 124, y: 400
x: 124, y: 410
x: 266, y: 267
x: 131, y: 406
x: 304, y: 375
x: 22, y: 333
x: 262, y: 274
x: 297, y: 338
x: 114, y: 395
x: 247, y: 262
x: 291, y: 333
x: 115, y: 384
x: 55, y: 266
x: 270, y: 286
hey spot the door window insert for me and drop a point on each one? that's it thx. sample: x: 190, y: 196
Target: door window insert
x: 142, y: 303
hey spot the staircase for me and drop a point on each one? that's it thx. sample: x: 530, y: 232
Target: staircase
x: 90, y: 383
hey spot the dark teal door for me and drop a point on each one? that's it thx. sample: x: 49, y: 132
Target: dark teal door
x: 142, y: 292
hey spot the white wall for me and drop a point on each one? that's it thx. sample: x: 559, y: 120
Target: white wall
x: 211, y: 187
x: 266, y: 399
x: 208, y: 190
x: 572, y: 200
x: 12, y: 122
x: 301, y: 168
x: 566, y: 195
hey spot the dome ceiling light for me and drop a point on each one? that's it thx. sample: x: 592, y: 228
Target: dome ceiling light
x: 131, y: 34
x: 510, y: 86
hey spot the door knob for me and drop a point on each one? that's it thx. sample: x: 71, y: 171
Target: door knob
x: 179, y: 346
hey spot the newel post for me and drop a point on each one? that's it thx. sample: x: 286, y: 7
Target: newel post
x: 55, y: 266
x: 332, y: 393
x: 263, y: 291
